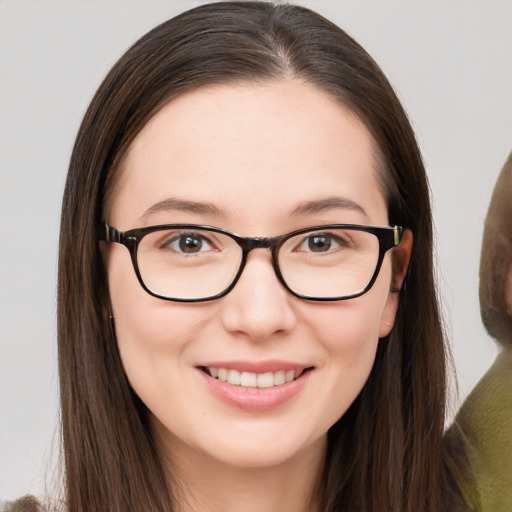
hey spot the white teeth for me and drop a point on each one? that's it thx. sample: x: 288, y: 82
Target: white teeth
x: 248, y: 380
x: 266, y: 380
x: 223, y: 374
x: 279, y: 378
x: 254, y: 380
x: 234, y: 377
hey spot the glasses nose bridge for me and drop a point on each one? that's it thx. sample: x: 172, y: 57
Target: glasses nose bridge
x: 249, y: 244
x: 260, y: 242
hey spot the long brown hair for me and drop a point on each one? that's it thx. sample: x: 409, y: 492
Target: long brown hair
x: 496, y: 260
x: 385, y: 453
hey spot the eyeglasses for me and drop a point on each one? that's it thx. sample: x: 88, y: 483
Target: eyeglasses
x: 191, y: 263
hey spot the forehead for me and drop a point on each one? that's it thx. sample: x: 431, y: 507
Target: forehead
x: 255, y: 150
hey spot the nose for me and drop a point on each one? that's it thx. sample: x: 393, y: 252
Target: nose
x: 259, y: 306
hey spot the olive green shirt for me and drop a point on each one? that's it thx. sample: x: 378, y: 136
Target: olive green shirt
x: 481, y: 438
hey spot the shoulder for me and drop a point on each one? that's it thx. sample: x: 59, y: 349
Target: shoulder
x: 25, y: 504
x: 488, y: 405
x: 481, y: 438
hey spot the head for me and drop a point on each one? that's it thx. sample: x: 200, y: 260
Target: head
x: 394, y: 418
x: 496, y: 261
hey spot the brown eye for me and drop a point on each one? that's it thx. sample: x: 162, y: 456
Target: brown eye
x: 188, y: 243
x: 322, y: 243
x: 319, y: 243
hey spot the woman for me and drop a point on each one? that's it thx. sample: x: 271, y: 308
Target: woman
x: 249, y: 380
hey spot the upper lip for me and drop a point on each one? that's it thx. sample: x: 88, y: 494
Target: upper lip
x: 273, y: 365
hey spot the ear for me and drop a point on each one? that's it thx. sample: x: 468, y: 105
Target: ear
x: 401, y: 256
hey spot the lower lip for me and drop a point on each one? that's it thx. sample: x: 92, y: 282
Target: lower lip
x: 255, y: 399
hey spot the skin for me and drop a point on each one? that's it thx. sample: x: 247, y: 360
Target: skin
x: 256, y: 152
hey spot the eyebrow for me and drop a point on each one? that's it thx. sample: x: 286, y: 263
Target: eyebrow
x: 329, y: 203
x: 184, y: 205
x: 205, y: 208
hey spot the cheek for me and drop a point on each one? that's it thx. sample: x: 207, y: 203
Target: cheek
x: 349, y: 332
x: 350, y: 336
x: 352, y: 325
x: 152, y: 334
x: 140, y: 318
x: 154, y: 346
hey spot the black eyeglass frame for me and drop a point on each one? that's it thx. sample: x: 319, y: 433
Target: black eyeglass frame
x: 388, y: 237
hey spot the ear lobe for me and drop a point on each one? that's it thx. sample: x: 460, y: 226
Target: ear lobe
x: 401, y: 257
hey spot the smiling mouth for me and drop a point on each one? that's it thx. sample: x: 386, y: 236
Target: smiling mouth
x: 254, y: 380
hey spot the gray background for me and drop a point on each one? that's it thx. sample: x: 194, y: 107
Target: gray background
x: 450, y: 62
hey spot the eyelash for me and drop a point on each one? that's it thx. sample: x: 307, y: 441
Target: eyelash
x: 341, y: 242
x: 176, y: 237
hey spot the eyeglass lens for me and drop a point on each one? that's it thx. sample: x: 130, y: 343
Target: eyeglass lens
x: 195, y: 264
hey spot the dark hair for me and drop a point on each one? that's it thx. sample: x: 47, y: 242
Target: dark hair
x: 496, y: 260
x: 385, y: 453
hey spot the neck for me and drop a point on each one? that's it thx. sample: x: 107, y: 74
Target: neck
x: 210, y: 485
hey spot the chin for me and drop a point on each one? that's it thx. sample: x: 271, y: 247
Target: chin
x: 265, y: 451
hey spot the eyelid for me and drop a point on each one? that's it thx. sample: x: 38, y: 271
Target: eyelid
x: 175, y: 235
x: 335, y: 234
x: 332, y: 237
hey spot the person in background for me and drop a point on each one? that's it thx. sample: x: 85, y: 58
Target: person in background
x: 481, y: 435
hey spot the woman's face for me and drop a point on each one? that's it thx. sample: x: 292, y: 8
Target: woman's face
x: 256, y: 160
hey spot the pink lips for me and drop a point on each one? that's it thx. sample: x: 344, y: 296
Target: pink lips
x: 272, y: 365
x: 255, y: 398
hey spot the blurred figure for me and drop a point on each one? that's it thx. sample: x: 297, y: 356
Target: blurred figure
x: 480, y: 439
